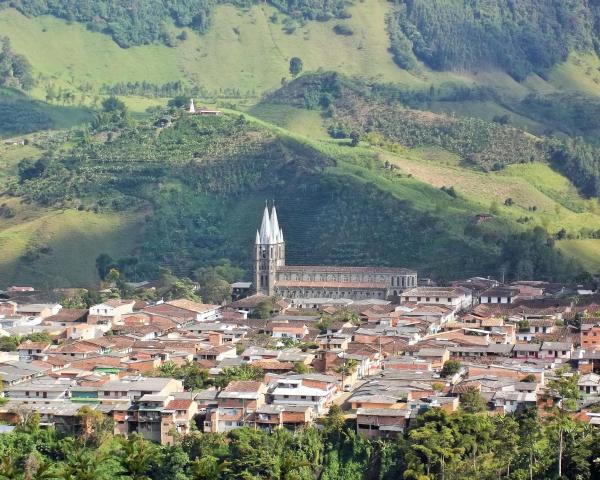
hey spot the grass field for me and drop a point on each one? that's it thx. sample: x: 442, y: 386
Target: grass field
x: 244, y: 50
x: 74, y: 240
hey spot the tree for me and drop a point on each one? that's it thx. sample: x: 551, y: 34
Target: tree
x: 113, y: 104
x: 265, y: 308
x: 566, y: 390
x: 104, y: 262
x: 355, y: 138
x: 213, y: 287
x: 295, y: 66
x: 135, y: 455
x: 450, y: 368
x: 471, y: 401
x: 301, y: 367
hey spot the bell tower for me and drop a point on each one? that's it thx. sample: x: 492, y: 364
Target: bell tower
x: 269, y: 252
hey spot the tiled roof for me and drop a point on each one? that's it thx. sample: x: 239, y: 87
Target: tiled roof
x: 326, y: 285
x: 68, y: 315
x: 445, y: 292
x: 179, y: 404
x: 192, y: 306
x: 29, y: 345
x: 337, y: 269
x: 243, y: 386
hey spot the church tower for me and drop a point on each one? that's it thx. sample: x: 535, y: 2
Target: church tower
x: 269, y: 252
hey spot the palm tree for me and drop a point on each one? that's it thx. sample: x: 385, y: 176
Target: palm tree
x: 8, y: 467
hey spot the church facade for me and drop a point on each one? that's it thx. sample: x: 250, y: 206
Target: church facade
x: 273, y: 277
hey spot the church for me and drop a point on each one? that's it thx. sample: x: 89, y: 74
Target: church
x: 273, y: 277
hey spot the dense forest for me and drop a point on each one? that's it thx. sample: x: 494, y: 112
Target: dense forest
x: 519, y: 37
x: 462, y: 445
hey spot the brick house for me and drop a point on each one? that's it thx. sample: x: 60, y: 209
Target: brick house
x: 236, y: 406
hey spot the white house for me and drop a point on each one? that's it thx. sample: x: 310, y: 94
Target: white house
x: 204, y: 312
x: 317, y: 393
x: 499, y: 295
x: 457, y: 298
x: 109, y: 312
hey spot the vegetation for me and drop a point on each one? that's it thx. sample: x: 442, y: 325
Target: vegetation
x: 148, y: 22
x: 15, y: 69
x: 10, y: 343
x: 439, y: 445
x: 530, y: 36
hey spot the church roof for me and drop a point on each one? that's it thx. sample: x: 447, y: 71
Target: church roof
x: 338, y: 269
x: 330, y: 285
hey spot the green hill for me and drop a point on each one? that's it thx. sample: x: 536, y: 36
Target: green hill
x: 454, y: 134
x: 201, y: 183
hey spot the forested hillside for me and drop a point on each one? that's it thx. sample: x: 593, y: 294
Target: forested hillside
x: 519, y: 37
x: 202, y: 182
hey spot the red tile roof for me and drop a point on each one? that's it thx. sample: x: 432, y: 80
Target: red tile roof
x: 179, y: 404
x: 243, y: 386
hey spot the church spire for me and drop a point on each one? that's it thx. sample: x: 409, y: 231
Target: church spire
x: 257, y: 242
x: 275, y: 230
x: 265, y: 228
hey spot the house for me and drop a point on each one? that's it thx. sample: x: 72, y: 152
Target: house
x: 216, y: 353
x: 77, y: 350
x: 437, y: 356
x: 236, y: 406
x: 14, y: 372
x: 67, y: 317
x: 16, y: 289
x: 499, y: 295
x: 513, y: 401
x: 531, y: 328
x: 556, y: 350
x: 249, y: 304
x: 181, y: 316
x: 289, y: 330
x: 382, y: 422
x: 526, y: 350
x: 41, y: 310
x: 457, y: 298
x: 203, y: 312
x: 177, y: 416
x: 28, y: 350
x: 110, y: 311
x: 240, y: 290
x: 589, y: 384
x: 39, y: 390
x: 269, y: 417
x: 589, y: 337
x: 314, y: 390
x: 133, y: 388
x: 8, y: 309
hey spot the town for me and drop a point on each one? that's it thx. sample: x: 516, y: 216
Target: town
x: 380, y: 344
